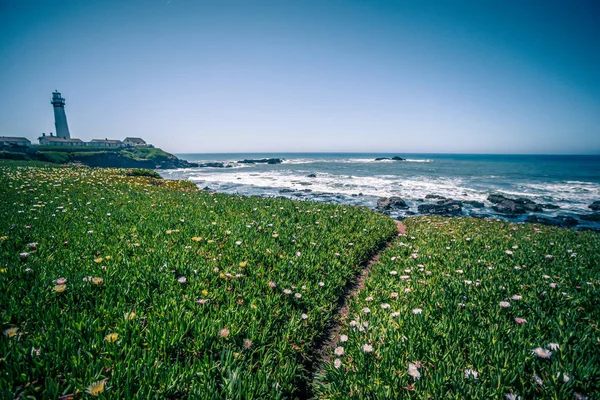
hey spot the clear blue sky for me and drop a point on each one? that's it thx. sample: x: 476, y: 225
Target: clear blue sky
x: 301, y: 75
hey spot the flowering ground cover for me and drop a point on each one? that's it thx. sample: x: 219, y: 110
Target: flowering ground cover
x: 121, y: 285
x: 463, y: 308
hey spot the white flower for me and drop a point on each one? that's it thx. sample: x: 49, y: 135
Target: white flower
x: 369, y: 299
x: 393, y: 272
x: 512, y: 396
x: 417, y: 311
x: 553, y: 346
x: 385, y: 306
x: 407, y: 290
x: 553, y: 285
x: 367, y: 348
x: 238, y: 243
x: 353, y: 323
x: 337, y: 363
x: 541, y: 352
x: 538, y: 380
x: 366, y: 310
x: 459, y: 271
x: 566, y: 377
x: 413, y: 371
x: 304, y: 316
x: 339, y: 351
x: 504, y: 304
x: 549, y: 256
x: 395, y: 314
x: 468, y: 282
x: 509, y: 252
x: 298, y: 295
x: 182, y: 280
x: 516, y: 297
x: 321, y: 284
x: 287, y: 291
x: 470, y: 372
x: 343, y: 338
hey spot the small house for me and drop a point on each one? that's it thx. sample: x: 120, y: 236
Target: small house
x: 105, y: 143
x: 56, y: 141
x: 9, y: 141
x: 134, y: 141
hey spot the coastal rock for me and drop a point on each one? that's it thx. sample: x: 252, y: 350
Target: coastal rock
x: 448, y: 208
x: 474, y: 204
x: 504, y: 205
x: 534, y: 219
x: 435, y: 196
x: 595, y: 206
x: 567, y: 221
x: 311, y: 175
x: 214, y: 165
x: 550, y: 206
x: 286, y: 190
x: 391, y: 203
x: 262, y: 161
x: 395, y: 158
x: 594, y: 217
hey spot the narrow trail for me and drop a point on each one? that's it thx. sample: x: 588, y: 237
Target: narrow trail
x: 331, y: 338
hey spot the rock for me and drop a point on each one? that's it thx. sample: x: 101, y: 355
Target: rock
x: 594, y: 217
x: 567, y: 221
x: 550, y: 206
x: 262, y: 161
x: 449, y: 207
x: 311, y: 175
x: 395, y: 158
x: 206, y: 188
x: 391, y: 203
x: 534, y: 219
x: 507, y: 206
x: 496, y: 198
x: 474, y: 204
x: 213, y: 165
x: 595, y: 206
x: 286, y: 190
x: 449, y: 202
x: 435, y: 196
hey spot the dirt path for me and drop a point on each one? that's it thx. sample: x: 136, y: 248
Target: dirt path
x: 323, y: 351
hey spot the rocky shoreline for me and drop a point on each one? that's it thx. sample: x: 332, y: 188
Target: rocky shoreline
x: 510, y: 208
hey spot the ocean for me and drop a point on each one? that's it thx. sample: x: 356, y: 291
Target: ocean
x: 570, y: 182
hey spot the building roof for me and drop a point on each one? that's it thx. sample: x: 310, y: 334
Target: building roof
x: 13, y: 139
x: 106, y: 141
x: 61, y: 140
x: 135, y: 139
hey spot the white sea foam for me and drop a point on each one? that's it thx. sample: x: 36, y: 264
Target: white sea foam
x: 381, y: 185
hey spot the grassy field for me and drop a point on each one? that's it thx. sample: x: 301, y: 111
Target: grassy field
x: 127, y: 286
x: 120, y: 284
x: 482, y: 309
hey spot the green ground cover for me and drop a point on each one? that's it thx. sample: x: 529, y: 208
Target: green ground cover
x: 123, y: 285
x: 463, y: 308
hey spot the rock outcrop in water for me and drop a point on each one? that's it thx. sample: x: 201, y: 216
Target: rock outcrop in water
x: 595, y: 206
x: 443, y: 207
x: 391, y: 203
x: 395, y: 158
x: 262, y: 161
x: 504, y: 205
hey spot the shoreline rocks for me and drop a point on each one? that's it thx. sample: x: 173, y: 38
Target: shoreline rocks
x: 504, y: 205
x: 262, y: 161
x: 395, y: 158
x: 443, y: 207
x: 391, y: 203
x: 595, y: 206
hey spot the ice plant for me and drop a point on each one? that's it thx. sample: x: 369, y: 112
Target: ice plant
x: 413, y: 371
x: 339, y: 351
x: 367, y: 348
x: 95, y: 388
x: 542, y: 353
x: 111, y: 337
x: 504, y: 304
x: 10, y: 332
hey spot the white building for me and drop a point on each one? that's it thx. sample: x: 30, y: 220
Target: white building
x: 10, y: 141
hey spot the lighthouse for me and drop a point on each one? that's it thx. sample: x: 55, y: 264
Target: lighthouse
x: 60, y: 118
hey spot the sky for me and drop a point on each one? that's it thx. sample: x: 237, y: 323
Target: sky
x: 312, y: 75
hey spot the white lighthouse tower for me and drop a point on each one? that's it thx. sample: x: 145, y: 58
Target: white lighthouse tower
x: 60, y: 118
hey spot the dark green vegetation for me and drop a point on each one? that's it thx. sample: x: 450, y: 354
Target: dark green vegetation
x: 474, y: 309
x: 124, y: 157
x: 118, y: 284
